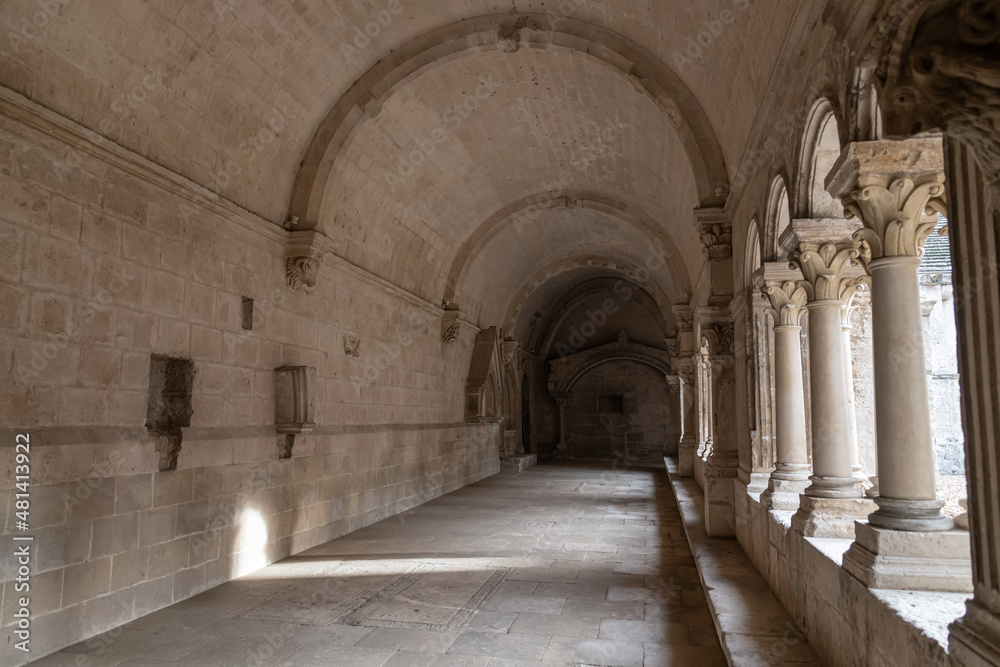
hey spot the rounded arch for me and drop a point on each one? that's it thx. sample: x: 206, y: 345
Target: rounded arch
x: 508, y: 31
x: 820, y: 148
x: 625, y: 352
x: 752, y: 253
x: 520, y: 213
x: 626, y: 270
x: 779, y: 217
x: 564, y: 308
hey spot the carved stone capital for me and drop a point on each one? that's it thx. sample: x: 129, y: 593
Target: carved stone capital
x: 788, y: 300
x: 685, y: 370
x: 943, y: 72
x: 673, y: 347
x: 673, y: 384
x: 685, y: 318
x: 717, y: 338
x: 510, y: 348
x: 895, y: 189
x: 716, y: 232
x: 898, y: 218
x: 823, y: 268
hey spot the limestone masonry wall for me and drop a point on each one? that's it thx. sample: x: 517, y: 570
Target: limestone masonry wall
x: 100, y: 268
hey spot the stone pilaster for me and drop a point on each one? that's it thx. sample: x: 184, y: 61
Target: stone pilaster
x: 562, y: 400
x: 675, y: 418
x: 896, y: 188
x: 721, y: 455
x: 684, y: 365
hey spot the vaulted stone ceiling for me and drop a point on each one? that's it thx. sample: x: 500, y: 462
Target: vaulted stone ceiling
x: 422, y: 136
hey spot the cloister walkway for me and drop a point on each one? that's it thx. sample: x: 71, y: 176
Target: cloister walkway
x: 554, y: 566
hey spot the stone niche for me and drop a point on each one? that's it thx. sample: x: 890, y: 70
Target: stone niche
x: 294, y: 405
x: 169, y: 405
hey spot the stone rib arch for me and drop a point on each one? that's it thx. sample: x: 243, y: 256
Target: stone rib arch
x: 779, y: 216
x: 514, y: 214
x: 648, y: 74
x: 625, y: 269
x: 564, y: 308
x: 567, y: 371
x: 820, y: 147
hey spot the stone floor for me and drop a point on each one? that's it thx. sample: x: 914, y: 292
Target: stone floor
x: 569, y: 565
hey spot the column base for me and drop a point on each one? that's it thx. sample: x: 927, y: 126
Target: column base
x: 832, y: 487
x: 872, y: 491
x: 975, y: 638
x: 829, y: 517
x: 783, y: 494
x: 910, y: 561
x: 921, y: 516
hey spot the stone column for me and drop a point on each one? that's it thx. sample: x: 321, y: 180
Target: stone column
x: 562, y: 400
x: 895, y: 190
x: 791, y: 471
x: 856, y: 467
x: 832, y: 502
x: 956, y: 89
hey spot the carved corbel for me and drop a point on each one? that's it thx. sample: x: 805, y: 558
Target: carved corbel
x: 303, y: 256
x: 451, y: 326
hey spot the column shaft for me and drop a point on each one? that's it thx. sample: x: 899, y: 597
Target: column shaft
x: 790, y: 410
x: 832, y: 473
x: 907, y: 495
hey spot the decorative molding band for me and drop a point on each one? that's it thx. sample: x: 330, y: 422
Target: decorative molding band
x: 63, y: 436
x: 41, y: 118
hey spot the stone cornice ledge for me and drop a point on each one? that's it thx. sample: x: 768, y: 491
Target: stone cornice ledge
x: 45, y: 120
x: 42, y: 119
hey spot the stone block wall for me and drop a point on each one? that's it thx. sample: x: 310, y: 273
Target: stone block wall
x: 106, y: 260
x: 845, y: 622
x: 639, y: 434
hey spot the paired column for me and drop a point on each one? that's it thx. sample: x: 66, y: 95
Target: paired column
x: 791, y: 470
x: 831, y: 503
x: 896, y: 190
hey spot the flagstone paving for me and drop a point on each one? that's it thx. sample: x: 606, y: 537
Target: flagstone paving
x: 558, y: 565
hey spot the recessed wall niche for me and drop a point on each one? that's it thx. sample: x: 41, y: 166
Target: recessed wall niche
x: 246, y: 313
x: 169, y: 405
x: 293, y: 405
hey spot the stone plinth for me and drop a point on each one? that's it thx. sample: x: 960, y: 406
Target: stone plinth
x: 783, y: 494
x: 518, y: 462
x: 908, y: 560
x: 830, y: 517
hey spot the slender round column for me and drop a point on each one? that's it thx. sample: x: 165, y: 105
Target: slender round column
x: 832, y: 473
x: 852, y: 423
x: 907, y: 497
x: 792, y: 462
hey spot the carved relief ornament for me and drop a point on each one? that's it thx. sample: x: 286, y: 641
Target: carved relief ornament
x: 945, y: 74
